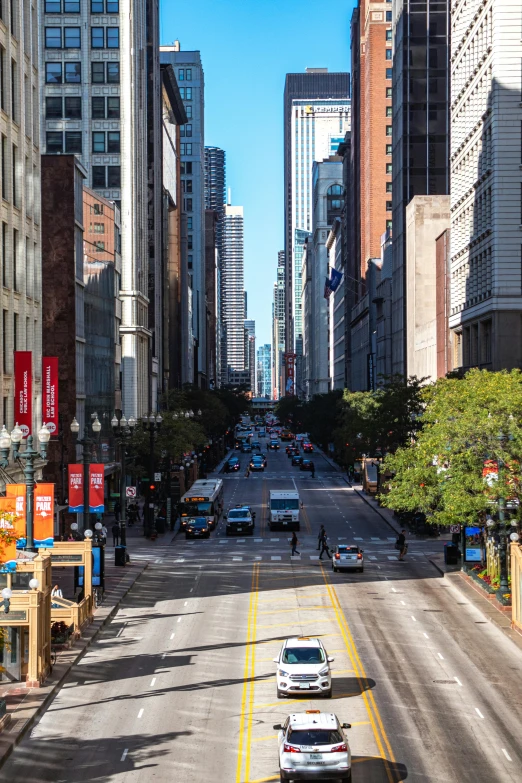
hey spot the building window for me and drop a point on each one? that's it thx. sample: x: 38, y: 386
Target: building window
x: 188, y: 74
x: 190, y: 261
x: 73, y: 108
x: 71, y: 6
x: 53, y: 37
x: 99, y: 228
x: 189, y: 149
x: 388, y: 73
x: 389, y: 92
x: 389, y: 225
x: 388, y: 54
x: 113, y: 7
x: 113, y: 108
x: 53, y: 108
x: 98, y: 176
x: 189, y: 93
x: 98, y: 108
x: 96, y: 6
x: 388, y: 168
x: 388, y: 187
x: 388, y: 35
x: 389, y: 111
x: 4, y: 161
x: 189, y: 224
x: 98, y: 142
x: 15, y: 260
x: 53, y: 73
x: 114, y: 176
x: 388, y: 130
x: 182, y: 93
x: 4, y: 255
x: 188, y: 205
x: 388, y: 149
x: 113, y: 73
x: 182, y: 148
x: 72, y: 38
x: 188, y: 111
x: 53, y: 7
x: 188, y: 186
x: 73, y: 142
x: 113, y: 37
x: 98, y: 208
x: 54, y: 141
x: 181, y: 74
x: 98, y: 73
x: 388, y: 16
x: 73, y: 73
x: 388, y: 206
x: 188, y: 129
x: 113, y: 141
x: 334, y: 202
x: 190, y: 242
x: 99, y: 246
x: 97, y: 38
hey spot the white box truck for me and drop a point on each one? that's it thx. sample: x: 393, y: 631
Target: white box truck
x: 283, y: 512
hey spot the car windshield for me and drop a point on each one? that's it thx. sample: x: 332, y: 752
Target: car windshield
x: 198, y: 508
x: 198, y: 523
x: 314, y: 737
x: 303, y: 655
x: 306, y: 462
x: 284, y: 504
x: 239, y: 513
x: 348, y: 549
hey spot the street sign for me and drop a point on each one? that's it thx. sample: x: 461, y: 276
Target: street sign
x: 157, y: 477
x: 454, y: 528
x: 130, y: 492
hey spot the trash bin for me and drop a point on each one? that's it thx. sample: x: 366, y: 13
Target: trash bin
x: 119, y: 555
x: 160, y: 524
x: 451, y: 554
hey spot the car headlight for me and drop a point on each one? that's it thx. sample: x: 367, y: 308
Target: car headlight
x: 324, y: 671
x: 283, y: 673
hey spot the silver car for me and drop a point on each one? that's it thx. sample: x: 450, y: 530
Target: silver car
x: 313, y: 746
x: 348, y: 556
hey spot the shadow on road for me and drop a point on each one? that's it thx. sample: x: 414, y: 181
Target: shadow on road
x: 374, y: 769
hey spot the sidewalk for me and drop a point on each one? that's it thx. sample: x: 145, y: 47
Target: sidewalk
x: 24, y: 705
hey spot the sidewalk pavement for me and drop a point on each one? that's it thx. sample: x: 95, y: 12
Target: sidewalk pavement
x: 24, y: 705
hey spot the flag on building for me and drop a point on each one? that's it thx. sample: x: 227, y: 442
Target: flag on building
x: 332, y: 284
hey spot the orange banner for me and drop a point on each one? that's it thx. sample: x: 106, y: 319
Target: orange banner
x: 44, y: 516
x: 7, y: 550
x: 18, y: 491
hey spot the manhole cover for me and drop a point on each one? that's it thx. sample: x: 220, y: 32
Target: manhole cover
x: 444, y: 682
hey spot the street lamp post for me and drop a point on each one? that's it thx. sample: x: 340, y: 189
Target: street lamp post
x: 123, y: 429
x: 151, y: 423
x: 86, y: 444
x: 13, y: 441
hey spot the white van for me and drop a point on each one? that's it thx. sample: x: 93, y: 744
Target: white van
x: 284, y: 509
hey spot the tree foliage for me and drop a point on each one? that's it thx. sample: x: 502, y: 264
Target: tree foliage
x: 464, y: 423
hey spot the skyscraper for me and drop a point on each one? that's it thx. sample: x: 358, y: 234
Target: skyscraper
x: 95, y: 102
x: 188, y: 70
x: 278, y: 327
x: 216, y: 188
x: 232, y: 292
x: 264, y: 372
x: 421, y: 136
x: 250, y: 357
x: 316, y: 118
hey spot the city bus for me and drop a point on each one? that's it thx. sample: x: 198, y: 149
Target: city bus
x: 204, y: 499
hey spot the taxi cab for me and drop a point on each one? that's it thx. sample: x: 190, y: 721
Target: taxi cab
x: 313, y: 746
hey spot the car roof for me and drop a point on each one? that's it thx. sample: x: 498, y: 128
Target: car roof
x: 246, y: 509
x: 314, y: 719
x: 303, y: 641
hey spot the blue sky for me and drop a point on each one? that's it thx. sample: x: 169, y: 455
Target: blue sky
x: 247, y: 47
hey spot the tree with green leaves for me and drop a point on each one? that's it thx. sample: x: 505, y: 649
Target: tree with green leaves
x: 465, y: 423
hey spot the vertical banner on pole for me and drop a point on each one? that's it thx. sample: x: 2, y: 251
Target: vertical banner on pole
x: 50, y: 393
x: 23, y: 402
x: 76, y: 489
x: 96, y: 483
x: 44, y: 516
x: 7, y: 526
x: 18, y: 492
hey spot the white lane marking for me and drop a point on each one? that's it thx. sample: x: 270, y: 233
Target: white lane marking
x: 314, y: 557
x: 153, y: 682
x: 426, y: 635
x: 191, y: 589
x: 372, y: 557
x: 394, y: 590
x: 258, y: 540
x: 440, y: 656
x: 375, y: 538
x: 414, y: 619
x: 179, y: 619
x: 479, y: 713
x: 164, y: 655
x: 275, y: 557
x: 240, y: 540
x: 355, y: 538
x: 341, y: 538
x: 390, y: 538
x: 274, y: 539
x: 506, y: 754
x: 140, y: 713
x: 392, y: 557
x: 172, y: 635
x: 186, y: 602
x: 180, y: 560
x: 258, y: 557
x: 124, y: 754
x: 237, y: 558
x: 402, y: 602
x: 458, y: 682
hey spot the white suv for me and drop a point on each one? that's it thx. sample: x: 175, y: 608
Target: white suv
x: 303, y: 667
x: 313, y: 746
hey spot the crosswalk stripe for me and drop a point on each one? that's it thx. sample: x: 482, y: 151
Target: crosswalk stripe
x: 276, y: 557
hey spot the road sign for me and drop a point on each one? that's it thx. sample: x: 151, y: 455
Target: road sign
x: 130, y: 492
x: 157, y: 477
x: 454, y: 528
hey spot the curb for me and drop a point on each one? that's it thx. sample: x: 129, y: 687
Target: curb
x: 359, y: 492
x: 13, y: 742
x: 439, y: 569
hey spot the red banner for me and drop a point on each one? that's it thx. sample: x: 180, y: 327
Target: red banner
x: 17, y: 492
x: 76, y: 489
x: 43, y: 515
x: 96, y: 482
x: 50, y: 393
x: 290, y: 374
x: 23, y: 402
x: 8, y: 526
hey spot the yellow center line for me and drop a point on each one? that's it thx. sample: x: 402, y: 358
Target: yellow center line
x: 299, y: 622
x: 307, y: 521
x: 245, y: 677
x: 299, y: 609
x: 265, y: 739
x: 369, y: 702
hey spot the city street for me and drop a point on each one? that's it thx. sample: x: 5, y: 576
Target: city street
x: 181, y: 684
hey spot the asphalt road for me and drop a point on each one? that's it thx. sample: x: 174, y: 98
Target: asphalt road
x: 181, y: 685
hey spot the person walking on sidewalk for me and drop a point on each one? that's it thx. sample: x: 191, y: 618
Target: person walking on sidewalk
x: 115, y: 534
x: 319, y: 537
x: 294, y: 542
x: 402, y: 545
x: 324, y: 546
